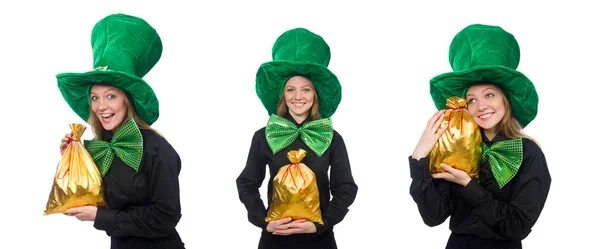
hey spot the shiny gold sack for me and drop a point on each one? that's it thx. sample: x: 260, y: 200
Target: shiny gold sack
x: 460, y: 145
x: 77, y: 181
x: 295, y: 192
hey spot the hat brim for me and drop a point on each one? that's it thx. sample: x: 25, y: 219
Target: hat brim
x: 75, y: 89
x: 272, y: 76
x: 516, y: 86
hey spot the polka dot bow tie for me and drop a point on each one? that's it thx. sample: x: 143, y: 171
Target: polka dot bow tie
x: 127, y: 144
x: 316, y: 134
x: 505, y: 158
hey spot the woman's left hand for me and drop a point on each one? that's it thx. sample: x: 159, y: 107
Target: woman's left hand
x: 85, y: 213
x: 297, y: 226
x: 453, y: 175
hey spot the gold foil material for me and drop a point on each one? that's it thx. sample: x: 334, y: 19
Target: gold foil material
x: 295, y: 192
x: 77, y: 181
x: 460, y: 145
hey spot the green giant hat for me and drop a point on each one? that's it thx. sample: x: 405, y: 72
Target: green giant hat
x: 486, y: 54
x: 299, y: 52
x: 125, y: 48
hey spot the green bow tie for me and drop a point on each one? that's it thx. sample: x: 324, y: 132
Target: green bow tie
x: 315, y: 134
x: 505, y: 158
x: 127, y: 144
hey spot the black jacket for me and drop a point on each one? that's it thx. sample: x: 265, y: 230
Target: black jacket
x: 341, y: 186
x: 481, y: 209
x: 143, y: 207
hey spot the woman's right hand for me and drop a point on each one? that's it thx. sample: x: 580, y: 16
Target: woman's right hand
x: 65, y: 142
x: 282, y: 224
x: 430, y: 136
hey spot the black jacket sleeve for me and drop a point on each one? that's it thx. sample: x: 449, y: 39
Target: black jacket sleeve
x: 434, y: 197
x: 514, y: 219
x: 159, y: 218
x: 342, y: 185
x: 249, y: 182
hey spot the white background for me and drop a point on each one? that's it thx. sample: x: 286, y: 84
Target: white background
x: 384, y: 56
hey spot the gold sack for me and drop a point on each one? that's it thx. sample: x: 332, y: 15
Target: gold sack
x: 77, y: 181
x: 295, y: 192
x: 460, y: 145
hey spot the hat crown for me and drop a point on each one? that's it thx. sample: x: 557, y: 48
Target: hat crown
x: 125, y: 43
x: 302, y: 45
x: 483, y: 45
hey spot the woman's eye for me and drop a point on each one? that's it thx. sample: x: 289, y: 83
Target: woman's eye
x: 94, y: 98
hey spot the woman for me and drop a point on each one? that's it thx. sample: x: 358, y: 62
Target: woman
x: 139, y: 168
x: 297, y: 89
x: 500, y: 209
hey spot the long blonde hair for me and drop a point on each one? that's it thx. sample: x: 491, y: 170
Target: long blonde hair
x: 98, y: 130
x: 509, y: 126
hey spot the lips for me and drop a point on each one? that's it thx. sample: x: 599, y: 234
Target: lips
x: 106, y: 117
x: 485, y: 116
x: 298, y: 104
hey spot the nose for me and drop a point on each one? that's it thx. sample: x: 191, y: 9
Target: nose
x: 297, y: 95
x: 101, y: 104
x: 482, y: 105
x: 476, y: 107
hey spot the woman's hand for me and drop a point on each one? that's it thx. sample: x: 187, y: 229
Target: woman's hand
x: 279, y: 225
x: 85, y: 213
x: 65, y: 142
x: 430, y: 136
x: 453, y: 175
x: 296, y: 227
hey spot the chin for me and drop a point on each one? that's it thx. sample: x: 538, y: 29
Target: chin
x: 112, y: 125
x: 108, y: 128
x: 490, y: 127
x: 487, y: 127
x: 301, y: 113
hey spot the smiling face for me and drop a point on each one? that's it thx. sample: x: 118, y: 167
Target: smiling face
x: 485, y: 103
x: 108, y: 105
x: 299, y: 94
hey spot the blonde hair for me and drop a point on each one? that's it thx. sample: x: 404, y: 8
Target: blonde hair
x: 282, y: 108
x: 509, y: 126
x: 98, y: 130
